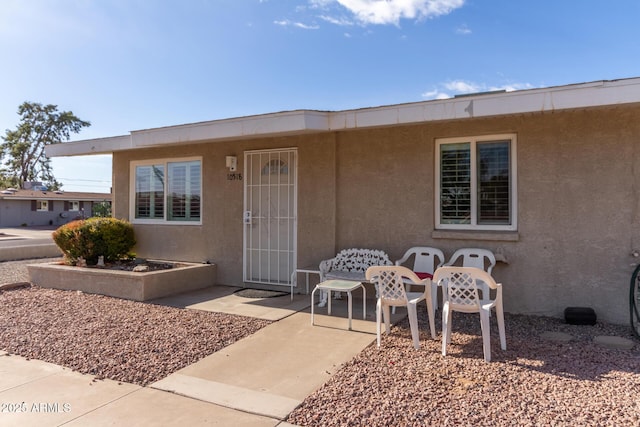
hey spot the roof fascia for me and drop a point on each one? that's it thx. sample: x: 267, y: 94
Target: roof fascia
x: 583, y: 95
x: 90, y: 146
x: 587, y: 95
x: 293, y: 122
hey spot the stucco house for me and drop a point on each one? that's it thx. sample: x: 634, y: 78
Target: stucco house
x: 39, y: 207
x: 546, y: 178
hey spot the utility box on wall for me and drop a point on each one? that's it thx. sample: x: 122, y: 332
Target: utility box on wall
x: 580, y: 316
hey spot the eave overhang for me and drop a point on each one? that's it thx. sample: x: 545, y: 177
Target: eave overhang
x: 577, y: 96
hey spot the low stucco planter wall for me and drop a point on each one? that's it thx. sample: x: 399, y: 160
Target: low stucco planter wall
x: 124, y: 284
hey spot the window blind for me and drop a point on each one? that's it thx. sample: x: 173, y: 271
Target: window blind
x: 455, y: 181
x: 493, y: 182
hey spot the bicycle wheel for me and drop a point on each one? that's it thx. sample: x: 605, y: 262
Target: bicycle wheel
x: 634, y: 301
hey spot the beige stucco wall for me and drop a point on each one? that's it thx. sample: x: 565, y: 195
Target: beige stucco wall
x: 577, y: 201
x: 219, y: 238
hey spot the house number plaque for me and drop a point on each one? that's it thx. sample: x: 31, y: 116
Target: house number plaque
x: 234, y: 177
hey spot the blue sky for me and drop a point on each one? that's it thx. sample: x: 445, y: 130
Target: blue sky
x: 136, y: 64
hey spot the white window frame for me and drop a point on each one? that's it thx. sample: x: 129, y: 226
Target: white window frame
x: 473, y: 141
x: 42, y: 205
x: 165, y: 163
x: 74, y: 206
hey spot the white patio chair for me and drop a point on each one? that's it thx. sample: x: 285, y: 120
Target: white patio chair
x: 461, y: 292
x: 474, y: 257
x: 390, y: 285
x: 425, y: 261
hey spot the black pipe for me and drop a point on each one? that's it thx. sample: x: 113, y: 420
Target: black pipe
x: 634, y: 309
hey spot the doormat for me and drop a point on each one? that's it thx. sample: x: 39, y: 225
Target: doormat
x: 259, y: 293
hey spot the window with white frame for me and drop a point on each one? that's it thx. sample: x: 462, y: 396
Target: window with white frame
x: 42, y: 205
x: 476, y: 183
x: 74, y: 205
x: 167, y: 191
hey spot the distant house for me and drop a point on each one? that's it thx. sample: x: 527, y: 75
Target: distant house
x: 547, y: 178
x: 36, y: 207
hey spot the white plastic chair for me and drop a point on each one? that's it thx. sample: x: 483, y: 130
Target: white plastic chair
x: 460, y: 287
x: 390, y: 285
x: 483, y: 259
x: 425, y: 261
x: 474, y: 257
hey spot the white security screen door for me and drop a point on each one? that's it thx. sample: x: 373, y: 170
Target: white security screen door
x: 270, y: 208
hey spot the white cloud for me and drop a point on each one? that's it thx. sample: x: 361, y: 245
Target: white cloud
x: 379, y: 12
x: 459, y: 87
x: 305, y: 26
x: 320, y: 4
x: 463, y: 29
x: 384, y: 12
x: 286, y: 23
x: 510, y: 87
x: 342, y: 21
x: 435, y: 94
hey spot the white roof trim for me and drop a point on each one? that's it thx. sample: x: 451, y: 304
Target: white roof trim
x: 585, y: 95
x: 253, y: 126
x: 90, y: 146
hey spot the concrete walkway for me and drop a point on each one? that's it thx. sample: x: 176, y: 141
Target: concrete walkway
x: 257, y: 381
x: 35, y: 393
x: 272, y: 371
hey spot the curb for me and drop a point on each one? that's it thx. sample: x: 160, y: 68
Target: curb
x: 16, y: 253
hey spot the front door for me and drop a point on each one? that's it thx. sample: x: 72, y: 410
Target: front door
x: 270, y: 208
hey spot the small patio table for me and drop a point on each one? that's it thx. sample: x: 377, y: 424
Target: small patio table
x: 340, y: 286
x: 311, y: 269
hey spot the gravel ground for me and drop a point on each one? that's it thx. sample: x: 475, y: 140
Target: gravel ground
x: 535, y: 382
x: 16, y: 271
x: 109, y: 337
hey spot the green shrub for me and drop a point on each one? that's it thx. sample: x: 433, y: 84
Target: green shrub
x: 93, y: 237
x: 102, y: 209
x: 71, y: 241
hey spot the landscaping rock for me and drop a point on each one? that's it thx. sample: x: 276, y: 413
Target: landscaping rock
x: 614, y: 342
x: 556, y: 336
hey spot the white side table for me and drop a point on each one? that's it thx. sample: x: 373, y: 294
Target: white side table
x: 340, y: 286
x: 312, y: 269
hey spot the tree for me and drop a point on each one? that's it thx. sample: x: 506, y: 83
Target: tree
x: 5, y: 180
x: 102, y: 209
x: 22, y: 152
